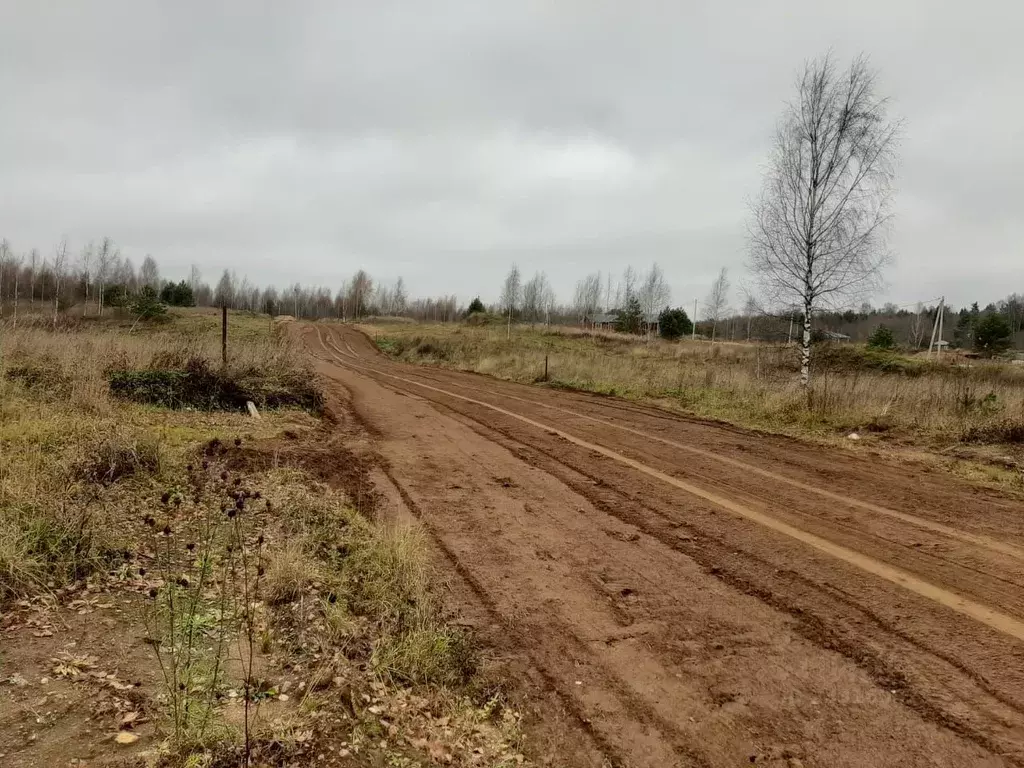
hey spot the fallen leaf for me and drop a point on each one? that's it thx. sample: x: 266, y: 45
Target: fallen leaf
x: 125, y: 738
x: 129, y: 719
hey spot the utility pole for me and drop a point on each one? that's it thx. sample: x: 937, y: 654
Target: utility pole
x: 936, y: 342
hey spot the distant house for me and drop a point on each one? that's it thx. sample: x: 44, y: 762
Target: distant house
x: 603, y: 321
x: 652, y: 322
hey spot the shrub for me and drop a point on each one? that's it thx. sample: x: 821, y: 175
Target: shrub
x: 846, y: 357
x: 482, y: 318
x: 199, y: 386
x: 881, y: 338
x: 1005, y: 431
x: 43, y: 378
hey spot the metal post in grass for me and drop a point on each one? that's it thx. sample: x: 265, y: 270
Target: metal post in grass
x: 224, y: 335
x: 545, y: 367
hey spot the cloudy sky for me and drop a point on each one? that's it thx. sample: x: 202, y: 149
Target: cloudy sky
x: 442, y: 141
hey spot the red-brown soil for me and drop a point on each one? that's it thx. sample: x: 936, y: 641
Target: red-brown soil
x: 690, y: 594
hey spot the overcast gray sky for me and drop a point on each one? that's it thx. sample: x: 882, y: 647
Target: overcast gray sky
x: 441, y: 141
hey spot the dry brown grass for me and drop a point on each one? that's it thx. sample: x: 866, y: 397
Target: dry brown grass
x: 74, y: 460
x: 749, y: 384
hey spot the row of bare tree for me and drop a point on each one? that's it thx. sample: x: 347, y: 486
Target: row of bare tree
x: 34, y: 280
x: 54, y: 279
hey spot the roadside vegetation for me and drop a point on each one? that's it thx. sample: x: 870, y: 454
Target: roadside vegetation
x: 265, y: 618
x: 874, y: 391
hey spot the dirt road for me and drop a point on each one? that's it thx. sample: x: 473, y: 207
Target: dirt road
x: 697, y: 595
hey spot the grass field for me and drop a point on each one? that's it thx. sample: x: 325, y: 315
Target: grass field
x: 900, y: 397
x: 135, y: 502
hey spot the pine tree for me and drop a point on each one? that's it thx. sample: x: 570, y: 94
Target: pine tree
x: 631, y: 319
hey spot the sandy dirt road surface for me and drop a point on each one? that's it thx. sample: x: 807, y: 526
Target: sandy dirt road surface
x: 690, y: 594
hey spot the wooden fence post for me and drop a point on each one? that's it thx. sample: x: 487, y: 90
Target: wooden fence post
x: 224, y: 335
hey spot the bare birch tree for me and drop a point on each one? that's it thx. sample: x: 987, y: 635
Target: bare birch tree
x: 587, y: 298
x: 104, y: 263
x: 33, y: 268
x: 85, y: 267
x: 149, y: 273
x: 716, y: 305
x: 60, y: 261
x: 917, y: 326
x: 400, y: 297
x: 818, y: 231
x: 18, y: 262
x: 5, y: 257
x: 511, y: 293
x: 654, y: 294
x: 628, y: 285
x: 224, y: 294
x: 749, y: 310
x: 534, y: 295
x: 547, y: 301
x: 359, y: 293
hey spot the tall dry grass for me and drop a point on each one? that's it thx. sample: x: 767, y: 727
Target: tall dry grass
x: 72, y: 458
x: 751, y: 384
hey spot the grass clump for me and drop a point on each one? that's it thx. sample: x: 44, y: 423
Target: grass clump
x: 42, y: 547
x: 116, y: 458
x: 380, y: 589
x: 20, y: 569
x: 290, y: 573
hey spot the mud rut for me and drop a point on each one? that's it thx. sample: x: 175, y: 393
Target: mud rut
x: 695, y: 594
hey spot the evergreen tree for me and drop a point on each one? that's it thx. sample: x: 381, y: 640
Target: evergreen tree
x: 992, y: 335
x: 674, y: 323
x: 147, y: 304
x: 178, y: 294
x: 631, y: 319
x: 881, y: 338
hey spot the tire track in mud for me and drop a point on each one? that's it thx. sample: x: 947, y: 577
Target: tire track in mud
x: 573, y: 647
x: 1002, y: 622
x: 808, y: 623
x: 986, y: 542
x: 744, y: 571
